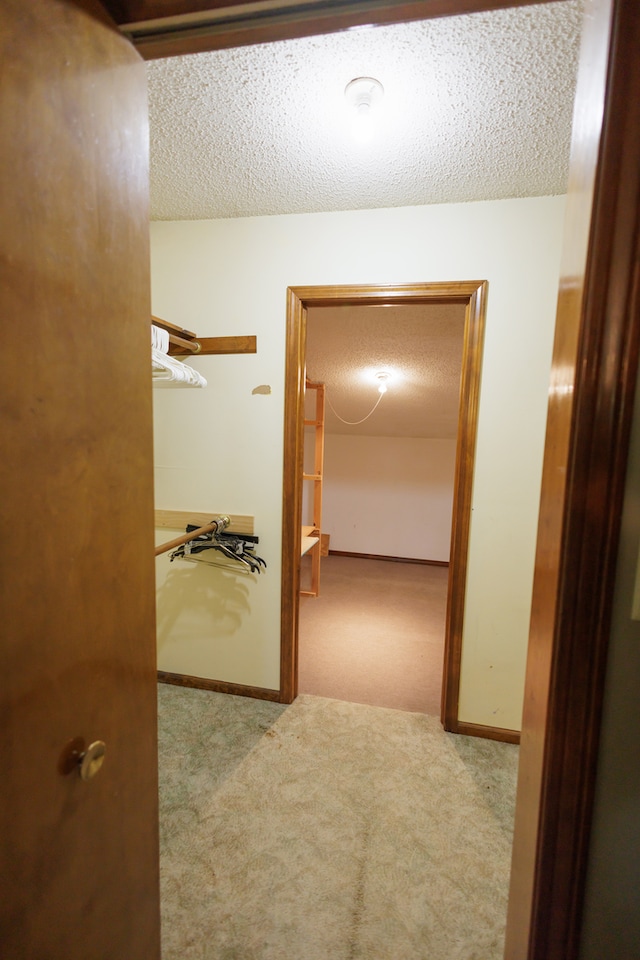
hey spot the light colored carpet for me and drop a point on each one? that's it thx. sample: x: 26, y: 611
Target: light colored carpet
x: 375, y: 634
x: 329, y: 831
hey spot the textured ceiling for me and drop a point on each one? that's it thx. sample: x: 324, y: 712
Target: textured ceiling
x: 420, y: 345
x: 476, y: 107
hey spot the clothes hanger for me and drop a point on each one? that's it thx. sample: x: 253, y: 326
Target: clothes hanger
x: 236, y: 547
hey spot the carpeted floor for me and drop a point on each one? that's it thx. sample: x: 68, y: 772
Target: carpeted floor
x: 329, y: 831
x: 375, y: 634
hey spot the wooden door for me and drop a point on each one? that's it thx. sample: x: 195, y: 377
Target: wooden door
x: 591, y: 399
x: 79, y: 860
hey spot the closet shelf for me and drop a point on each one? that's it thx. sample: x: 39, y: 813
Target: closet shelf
x: 178, y: 519
x: 184, y: 342
x: 307, y: 544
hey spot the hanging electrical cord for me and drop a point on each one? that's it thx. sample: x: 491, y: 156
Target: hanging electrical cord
x: 354, y: 423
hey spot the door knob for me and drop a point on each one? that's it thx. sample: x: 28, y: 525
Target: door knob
x: 91, y: 760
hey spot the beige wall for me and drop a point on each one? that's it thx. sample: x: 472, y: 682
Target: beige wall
x: 221, y: 448
x: 389, y: 495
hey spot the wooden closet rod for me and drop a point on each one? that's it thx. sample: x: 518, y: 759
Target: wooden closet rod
x: 191, y: 346
x: 185, y: 538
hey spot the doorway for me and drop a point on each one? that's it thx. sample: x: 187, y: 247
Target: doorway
x: 472, y: 295
x: 375, y: 631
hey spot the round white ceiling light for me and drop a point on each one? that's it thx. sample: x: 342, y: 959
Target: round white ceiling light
x: 363, y: 94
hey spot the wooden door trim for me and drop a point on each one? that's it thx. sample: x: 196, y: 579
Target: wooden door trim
x: 463, y: 488
x: 473, y: 294
x: 169, y: 28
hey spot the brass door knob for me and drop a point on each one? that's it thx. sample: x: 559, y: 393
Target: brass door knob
x: 91, y: 760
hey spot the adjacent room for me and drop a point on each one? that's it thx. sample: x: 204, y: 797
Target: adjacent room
x: 372, y: 626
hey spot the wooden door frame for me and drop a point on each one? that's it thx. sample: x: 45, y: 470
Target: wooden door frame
x: 473, y: 295
x: 595, y: 359
x: 591, y: 395
x: 170, y: 28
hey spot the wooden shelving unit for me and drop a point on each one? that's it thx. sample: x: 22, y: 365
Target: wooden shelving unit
x: 315, y: 478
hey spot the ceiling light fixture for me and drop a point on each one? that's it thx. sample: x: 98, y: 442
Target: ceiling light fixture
x: 382, y: 378
x: 362, y: 95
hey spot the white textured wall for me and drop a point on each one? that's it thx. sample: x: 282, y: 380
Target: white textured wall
x: 389, y: 495
x: 221, y: 448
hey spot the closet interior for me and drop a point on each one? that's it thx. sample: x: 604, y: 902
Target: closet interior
x: 229, y: 535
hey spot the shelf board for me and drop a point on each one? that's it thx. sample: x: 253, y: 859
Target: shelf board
x: 178, y: 520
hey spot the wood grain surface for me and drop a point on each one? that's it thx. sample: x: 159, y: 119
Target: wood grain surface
x: 78, y: 860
